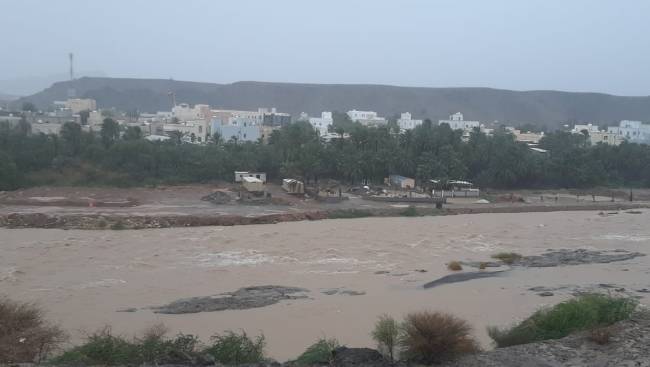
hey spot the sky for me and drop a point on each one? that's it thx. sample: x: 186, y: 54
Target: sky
x: 572, y: 45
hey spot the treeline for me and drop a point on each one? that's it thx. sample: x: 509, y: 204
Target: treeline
x: 121, y: 157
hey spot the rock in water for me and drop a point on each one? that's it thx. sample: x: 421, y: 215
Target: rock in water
x: 463, y: 277
x: 241, y: 299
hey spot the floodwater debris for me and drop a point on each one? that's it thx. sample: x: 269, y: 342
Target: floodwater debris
x: 463, y: 277
x: 241, y: 299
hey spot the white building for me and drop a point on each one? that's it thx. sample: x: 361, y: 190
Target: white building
x: 323, y: 123
x: 239, y: 175
x: 405, y: 122
x: 632, y: 131
x: 458, y: 122
x: 367, y: 118
x: 46, y: 128
x: 77, y: 105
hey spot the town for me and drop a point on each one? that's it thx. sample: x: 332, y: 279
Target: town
x: 199, y: 123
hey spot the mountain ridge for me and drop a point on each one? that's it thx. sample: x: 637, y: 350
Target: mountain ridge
x: 543, y: 108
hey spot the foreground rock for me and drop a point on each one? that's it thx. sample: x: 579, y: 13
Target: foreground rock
x: 629, y: 345
x: 241, y: 299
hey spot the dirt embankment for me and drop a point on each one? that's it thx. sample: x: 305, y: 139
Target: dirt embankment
x: 114, y: 221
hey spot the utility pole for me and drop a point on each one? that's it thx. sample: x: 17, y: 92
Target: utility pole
x: 173, y: 97
x: 71, y: 56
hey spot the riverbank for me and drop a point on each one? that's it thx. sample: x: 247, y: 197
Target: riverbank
x: 121, y: 221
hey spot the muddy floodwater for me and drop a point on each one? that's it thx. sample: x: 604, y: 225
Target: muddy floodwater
x: 349, y: 271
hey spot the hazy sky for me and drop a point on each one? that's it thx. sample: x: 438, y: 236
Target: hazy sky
x: 575, y: 45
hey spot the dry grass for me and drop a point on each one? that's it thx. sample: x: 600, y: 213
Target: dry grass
x: 454, y: 266
x: 25, y: 336
x: 433, y: 337
x: 507, y: 257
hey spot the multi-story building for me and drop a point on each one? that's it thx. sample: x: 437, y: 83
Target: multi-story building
x: 405, y: 122
x: 77, y: 104
x: 632, y: 131
x: 271, y: 117
x: 230, y: 117
x: 322, y: 124
x: 367, y: 118
x: 239, y: 133
x: 604, y: 137
x: 458, y: 122
x: 183, y: 112
x: 197, y: 131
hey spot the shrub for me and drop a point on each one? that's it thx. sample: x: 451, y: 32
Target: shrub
x: 233, y: 348
x: 25, y: 336
x: 117, y: 226
x: 454, y: 266
x: 318, y: 353
x: 581, y: 313
x: 386, y: 334
x: 101, y: 347
x: 482, y: 266
x: 432, y: 337
x: 411, y: 211
x: 507, y: 257
x: 346, y: 214
x: 104, y: 348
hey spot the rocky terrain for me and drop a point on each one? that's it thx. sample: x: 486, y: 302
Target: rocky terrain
x: 628, y: 345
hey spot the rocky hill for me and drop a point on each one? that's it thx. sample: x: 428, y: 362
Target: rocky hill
x: 542, y: 108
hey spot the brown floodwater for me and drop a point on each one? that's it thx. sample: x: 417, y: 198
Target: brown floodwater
x: 83, y: 277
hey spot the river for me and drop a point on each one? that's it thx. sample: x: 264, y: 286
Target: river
x: 82, y: 278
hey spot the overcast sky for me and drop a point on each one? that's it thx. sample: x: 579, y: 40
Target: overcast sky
x: 574, y: 45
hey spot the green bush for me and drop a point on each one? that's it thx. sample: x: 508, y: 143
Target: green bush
x: 101, y: 347
x: 104, y: 348
x: 318, y: 353
x: 581, y: 313
x: 433, y: 337
x: 411, y: 211
x: 386, y: 334
x: 232, y: 348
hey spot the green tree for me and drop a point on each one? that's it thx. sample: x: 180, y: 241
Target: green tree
x: 132, y: 133
x: 71, y: 137
x: 110, y: 132
x: 83, y: 116
x: 28, y: 107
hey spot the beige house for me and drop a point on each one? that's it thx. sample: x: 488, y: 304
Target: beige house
x: 252, y: 184
x: 77, y: 105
